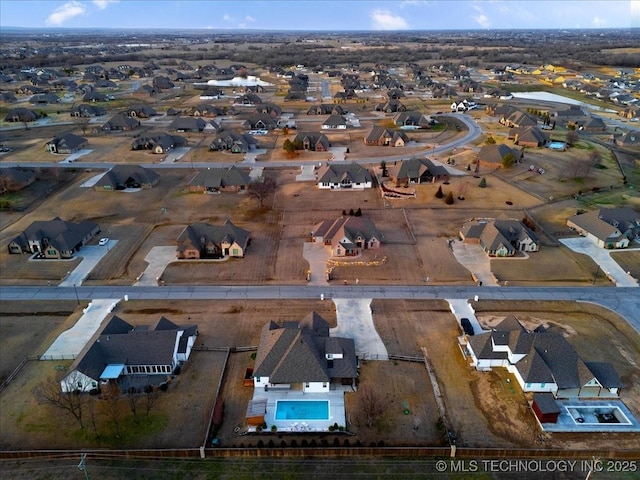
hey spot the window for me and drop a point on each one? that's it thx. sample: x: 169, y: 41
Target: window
x: 235, y: 252
x: 258, y: 379
x: 306, y: 385
x: 324, y: 384
x: 542, y: 385
x: 94, y: 384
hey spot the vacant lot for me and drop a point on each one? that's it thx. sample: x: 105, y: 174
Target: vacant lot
x: 483, y: 411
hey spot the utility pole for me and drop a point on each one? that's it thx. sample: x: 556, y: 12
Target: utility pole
x: 76, y: 292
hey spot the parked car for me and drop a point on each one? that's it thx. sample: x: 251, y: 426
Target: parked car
x: 103, y: 241
x: 466, y: 326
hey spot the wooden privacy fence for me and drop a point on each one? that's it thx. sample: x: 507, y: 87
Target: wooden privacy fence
x: 297, y: 452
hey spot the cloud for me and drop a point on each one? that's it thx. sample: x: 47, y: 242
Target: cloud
x: 249, y: 18
x: 65, y: 12
x: 385, y: 20
x: 481, y: 19
x: 227, y: 18
x: 599, y: 22
x: 413, y: 3
x: 102, y: 4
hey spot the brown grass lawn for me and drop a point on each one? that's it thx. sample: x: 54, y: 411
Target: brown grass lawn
x: 629, y: 261
x: 482, y: 409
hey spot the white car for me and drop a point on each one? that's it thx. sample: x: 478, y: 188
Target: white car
x: 103, y: 241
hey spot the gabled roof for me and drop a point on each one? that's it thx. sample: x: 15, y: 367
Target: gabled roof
x: 220, y: 177
x: 548, y: 356
x: 493, y: 233
x: 119, y: 174
x: 416, y: 168
x: 349, y: 228
x: 63, y: 235
x: 337, y: 173
x: 120, y: 121
x: 313, y: 138
x: 188, y: 124
x: 495, y: 153
x: 201, y: 234
x: 67, y: 141
x: 296, y: 352
x: 119, y: 343
x: 378, y: 133
x: 604, y: 223
x: 335, y: 120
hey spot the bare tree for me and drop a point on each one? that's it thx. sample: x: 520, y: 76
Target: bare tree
x: 572, y: 137
x: 112, y: 406
x: 150, y: 399
x: 593, y: 160
x: 370, y: 403
x: 82, y: 122
x: 261, y: 189
x: 72, y: 400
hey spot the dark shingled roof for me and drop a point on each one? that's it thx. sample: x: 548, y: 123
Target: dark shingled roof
x: 296, y: 352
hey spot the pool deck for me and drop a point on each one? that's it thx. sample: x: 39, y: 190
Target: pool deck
x: 336, y: 410
x: 567, y: 424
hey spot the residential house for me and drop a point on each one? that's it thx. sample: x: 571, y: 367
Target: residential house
x: 416, y: 170
x: 162, y: 83
x: 121, y: 177
x: 391, y: 106
x: 187, y: 124
x: 84, y: 110
x: 66, y: 143
x: 54, y: 238
x: 120, y: 122
x: 260, y: 121
x: 591, y: 124
x: 295, y: 96
x: 500, y: 237
x: 340, y: 176
x: 303, y: 356
x: 541, y: 360
x: 384, y: 137
x: 326, y: 109
x: 21, y: 114
x: 496, y: 153
x: 334, y: 122
x: 130, y: 358
x: 271, y: 109
x: 92, y: 96
x: 517, y: 118
x: 248, y: 99
x: 629, y: 139
x: 44, y: 99
x: 158, y: 143
x: 216, y: 180
x: 528, y: 136
x: 347, y: 235
x: 608, y: 227
x: 233, y: 142
x: 140, y: 111
x: 13, y: 179
x: 206, y: 110
x: 413, y: 118
x: 202, y: 240
x: 315, y: 142
x: 7, y: 97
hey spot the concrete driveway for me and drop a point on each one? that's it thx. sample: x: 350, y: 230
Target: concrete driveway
x: 317, y: 255
x: 158, y: 258
x: 461, y: 308
x: 307, y: 173
x: 70, y: 342
x: 91, y: 255
x: 473, y: 258
x: 603, y: 258
x: 176, y: 154
x: 356, y: 321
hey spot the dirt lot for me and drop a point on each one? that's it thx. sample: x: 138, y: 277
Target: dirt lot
x: 482, y: 409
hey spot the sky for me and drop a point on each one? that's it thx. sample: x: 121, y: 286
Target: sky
x: 329, y: 15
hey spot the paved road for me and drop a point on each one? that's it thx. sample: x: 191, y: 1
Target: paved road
x: 473, y: 133
x: 624, y: 300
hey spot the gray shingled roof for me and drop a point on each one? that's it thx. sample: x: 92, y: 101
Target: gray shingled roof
x: 336, y: 173
x: 295, y: 353
x: 119, y: 174
x: 220, y: 178
x: 196, y: 233
x: 599, y: 223
x: 349, y: 227
x: 64, y: 236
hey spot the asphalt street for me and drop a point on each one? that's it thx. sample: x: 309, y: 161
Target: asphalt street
x: 623, y: 300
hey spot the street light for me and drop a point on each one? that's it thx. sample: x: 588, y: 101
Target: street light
x: 76, y: 291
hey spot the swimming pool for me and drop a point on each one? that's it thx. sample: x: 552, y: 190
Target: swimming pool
x: 557, y: 145
x: 302, y: 410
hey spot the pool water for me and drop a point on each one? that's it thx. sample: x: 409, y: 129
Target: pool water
x: 302, y: 410
x: 557, y: 145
